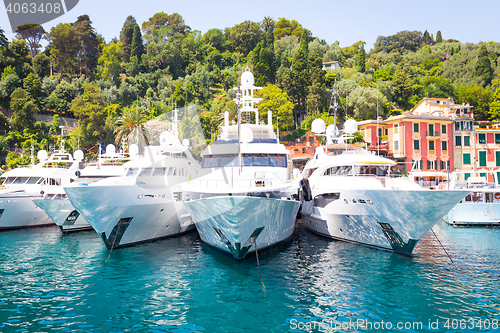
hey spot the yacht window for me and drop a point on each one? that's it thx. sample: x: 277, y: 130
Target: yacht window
x: 159, y: 172
x: 33, y: 180
x: 54, y: 181
x: 308, y: 172
x: 210, y: 161
x: 171, y: 171
x: 132, y: 172
x: 145, y: 172
x: 277, y: 160
x: 260, y: 160
x: 227, y: 160
x: 20, y: 180
x: 9, y: 180
x: 324, y: 199
x: 331, y: 171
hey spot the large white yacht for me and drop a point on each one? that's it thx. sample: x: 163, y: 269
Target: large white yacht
x: 146, y: 203
x: 24, y: 183
x: 57, y: 205
x: 350, y: 195
x: 481, y: 207
x: 245, y: 199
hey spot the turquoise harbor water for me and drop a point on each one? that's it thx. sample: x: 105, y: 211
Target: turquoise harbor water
x: 51, y: 283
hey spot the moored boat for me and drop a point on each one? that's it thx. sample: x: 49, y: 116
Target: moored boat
x: 24, y: 183
x: 352, y: 195
x: 146, y: 203
x: 245, y: 201
x: 56, y: 203
x: 481, y: 207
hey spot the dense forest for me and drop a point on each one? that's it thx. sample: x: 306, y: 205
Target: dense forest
x: 112, y: 87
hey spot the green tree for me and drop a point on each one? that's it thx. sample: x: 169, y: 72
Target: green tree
x: 245, y: 36
x: 316, y: 91
x: 286, y: 27
x: 277, y: 101
x: 402, y: 86
x: 439, y: 38
x: 41, y: 65
x: 483, y: 66
x: 109, y: 67
x: 89, y: 52
x: 137, y: 48
x: 65, y: 45
x: 298, y: 86
x: 32, y: 34
x: 264, y: 62
x: 126, y: 35
x: 24, y: 110
x: 361, y: 59
x: 33, y: 86
x: 130, y: 126
x: 162, y: 24
x: 89, y: 108
x: 403, y: 40
x: 3, y: 40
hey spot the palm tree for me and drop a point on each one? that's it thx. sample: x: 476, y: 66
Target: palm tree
x: 131, y: 126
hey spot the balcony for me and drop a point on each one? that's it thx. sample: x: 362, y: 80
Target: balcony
x: 433, y: 135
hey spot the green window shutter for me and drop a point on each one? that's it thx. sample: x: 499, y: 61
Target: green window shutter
x: 416, y: 145
x: 431, y: 129
x: 415, y: 127
x: 482, y: 138
x: 458, y: 141
x: 467, y: 175
x: 443, y: 129
x: 497, y: 138
x: 482, y: 158
x: 444, y: 145
x: 497, y: 158
x: 431, y: 145
x: 466, y: 158
x: 466, y: 141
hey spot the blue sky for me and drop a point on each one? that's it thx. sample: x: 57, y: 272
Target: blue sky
x: 344, y: 21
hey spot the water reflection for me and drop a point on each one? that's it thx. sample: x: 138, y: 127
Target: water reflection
x: 50, y: 282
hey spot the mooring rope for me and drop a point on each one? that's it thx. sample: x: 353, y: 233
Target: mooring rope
x: 442, y: 245
x: 258, y: 264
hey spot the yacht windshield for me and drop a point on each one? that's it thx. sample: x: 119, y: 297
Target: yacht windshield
x: 20, y: 180
x: 33, y: 180
x: 363, y: 170
x: 273, y: 160
x: 132, y: 172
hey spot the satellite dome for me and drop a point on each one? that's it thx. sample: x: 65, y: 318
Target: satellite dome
x: 318, y: 126
x: 247, y: 77
x: 350, y: 126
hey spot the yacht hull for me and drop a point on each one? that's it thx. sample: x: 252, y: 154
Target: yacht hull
x: 124, y: 215
x: 474, y: 213
x: 19, y: 211
x: 64, y: 215
x: 394, y: 220
x: 234, y: 224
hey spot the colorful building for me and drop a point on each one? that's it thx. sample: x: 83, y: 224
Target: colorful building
x: 375, y: 135
x: 302, y: 151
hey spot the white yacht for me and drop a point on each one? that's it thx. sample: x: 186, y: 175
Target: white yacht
x: 55, y: 202
x: 481, y: 206
x: 24, y: 183
x: 144, y: 204
x: 350, y: 195
x: 245, y: 199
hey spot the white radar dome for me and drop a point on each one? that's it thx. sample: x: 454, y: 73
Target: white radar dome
x: 246, y: 135
x: 133, y: 150
x: 42, y: 155
x: 78, y: 155
x: 110, y: 149
x: 247, y: 78
x: 318, y: 126
x: 350, y: 126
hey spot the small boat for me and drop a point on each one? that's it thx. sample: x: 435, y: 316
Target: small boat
x: 57, y: 205
x: 350, y: 194
x: 25, y: 183
x: 245, y: 201
x: 481, y: 207
x: 146, y: 203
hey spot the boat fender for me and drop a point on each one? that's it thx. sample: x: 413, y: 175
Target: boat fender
x: 306, y: 190
x: 497, y: 196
